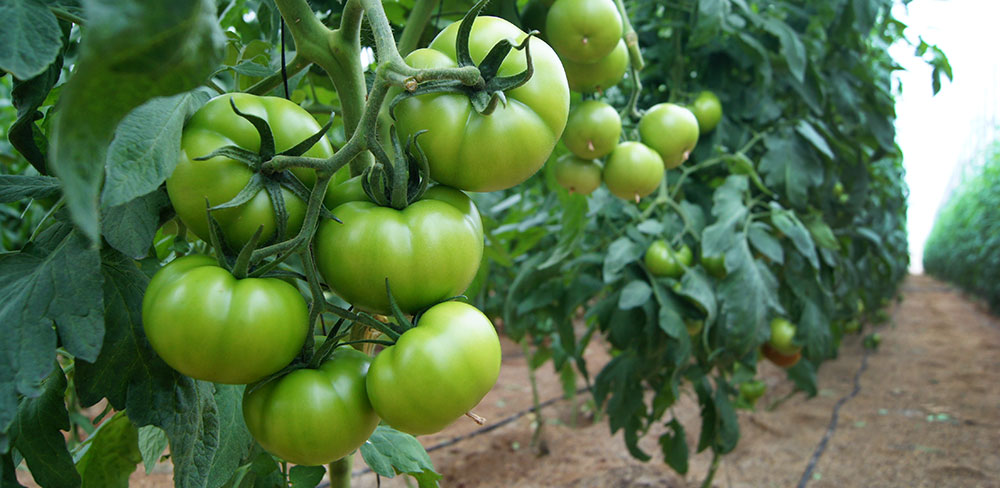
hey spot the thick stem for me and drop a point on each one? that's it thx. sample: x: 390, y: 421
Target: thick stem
x: 416, y: 23
x: 340, y: 472
x: 297, y: 64
x: 536, y: 436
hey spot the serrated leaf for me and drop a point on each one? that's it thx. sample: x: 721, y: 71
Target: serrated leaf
x: 821, y: 232
x: 809, y: 133
x: 696, y: 286
x: 636, y: 293
x: 36, y: 434
x: 133, y: 51
x: 152, y: 444
x: 674, y: 447
x: 748, y: 296
x: 146, y: 147
x: 27, y: 96
x: 803, y: 374
x: 135, y: 223
x: 789, y: 224
x: 670, y: 321
x: 651, y: 227
x: 730, y: 212
x: 52, y: 286
x: 32, y: 38
x: 110, y: 454
x: 620, y: 253
x: 306, y: 476
x: 389, y: 451
x: 790, y: 168
x: 17, y: 187
x: 765, y: 243
x: 792, y: 48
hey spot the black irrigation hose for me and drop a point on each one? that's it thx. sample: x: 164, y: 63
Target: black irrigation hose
x: 821, y: 447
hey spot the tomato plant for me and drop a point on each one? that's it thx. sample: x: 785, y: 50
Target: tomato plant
x: 583, y: 31
x: 664, y: 261
x: 707, y: 110
x: 208, y: 325
x: 671, y: 130
x: 436, y: 371
x: 577, y: 175
x: 314, y: 416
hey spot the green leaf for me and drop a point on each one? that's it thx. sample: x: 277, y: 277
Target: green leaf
x: 27, y: 96
x: 803, y: 374
x: 748, y: 295
x: 32, y: 38
x: 809, y: 133
x: 674, y: 446
x: 792, y: 48
x: 52, y: 286
x: 146, y: 147
x: 17, y: 187
x: 389, y: 451
x: 792, y: 169
x: 135, y: 223
x: 696, y: 286
x: 620, y: 379
x: 711, y: 17
x: 788, y: 223
x: 152, y: 444
x: 729, y: 425
x: 8, y: 471
x: 636, y: 293
x: 762, y: 240
x: 37, y: 436
x: 669, y: 321
x: 730, y: 212
x: 821, y: 232
x: 132, y: 51
x: 620, y: 253
x: 306, y: 476
x: 110, y: 454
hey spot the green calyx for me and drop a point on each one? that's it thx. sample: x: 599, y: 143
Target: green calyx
x: 270, y: 181
x: 397, y: 183
x: 489, y: 90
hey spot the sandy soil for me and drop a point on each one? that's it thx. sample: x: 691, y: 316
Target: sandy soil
x: 927, y: 415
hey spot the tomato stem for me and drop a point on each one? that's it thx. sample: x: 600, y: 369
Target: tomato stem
x: 415, y: 25
x: 340, y: 472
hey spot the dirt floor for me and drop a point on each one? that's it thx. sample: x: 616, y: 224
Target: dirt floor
x: 927, y: 415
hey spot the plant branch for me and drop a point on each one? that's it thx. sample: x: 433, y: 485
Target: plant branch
x: 297, y: 64
x: 416, y: 23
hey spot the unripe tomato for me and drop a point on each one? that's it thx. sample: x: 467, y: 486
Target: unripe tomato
x: 429, y: 251
x: 583, y: 30
x: 752, y: 390
x: 219, y: 179
x: 694, y: 327
x: 633, y: 170
x: 314, y: 416
x: 708, y: 110
x: 436, y: 371
x: 662, y: 261
x: 593, y: 130
x: 577, y: 175
x: 683, y: 255
x: 782, y: 336
x: 599, y: 75
x: 715, y: 265
x: 671, y: 130
x: 211, y: 326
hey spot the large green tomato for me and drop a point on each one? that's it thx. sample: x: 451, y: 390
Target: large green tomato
x: 599, y: 75
x: 475, y: 152
x: 220, y: 179
x: 633, y: 171
x: 593, y: 130
x: 437, y: 371
x: 708, y: 110
x: 211, y: 326
x: 782, y: 336
x: 577, y: 175
x: 671, y: 130
x: 314, y: 416
x: 429, y: 251
x: 583, y: 30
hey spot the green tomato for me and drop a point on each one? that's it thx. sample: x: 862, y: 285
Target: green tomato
x: 211, y: 326
x: 314, y: 416
x: 520, y: 134
x: 583, y: 31
x: 715, y: 265
x: 599, y: 75
x: 782, y: 336
x: 852, y: 326
x: 633, y: 170
x: 662, y: 261
x: 694, y: 327
x: 593, y: 130
x: 752, y: 390
x: 220, y: 179
x: 683, y: 255
x: 429, y: 251
x: 708, y: 110
x: 436, y: 371
x: 671, y: 130
x: 577, y: 175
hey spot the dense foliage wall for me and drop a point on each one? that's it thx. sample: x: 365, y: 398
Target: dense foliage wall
x: 964, y: 244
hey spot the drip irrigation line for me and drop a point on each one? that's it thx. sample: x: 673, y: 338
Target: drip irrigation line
x: 821, y: 447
